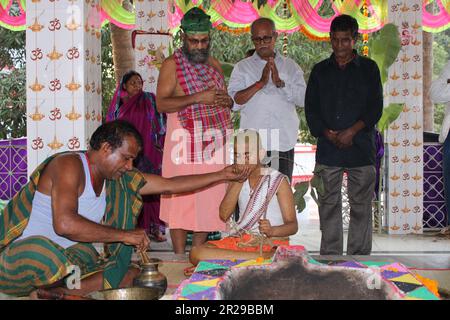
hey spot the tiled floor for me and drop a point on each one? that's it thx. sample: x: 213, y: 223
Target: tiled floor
x: 430, y: 242
x: 309, y: 236
x: 427, y: 254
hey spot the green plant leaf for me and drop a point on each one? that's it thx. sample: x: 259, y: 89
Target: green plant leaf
x: 236, y: 120
x: 301, y: 204
x: 13, y: 104
x: 299, y: 195
x: 301, y: 187
x: 227, y: 68
x: 316, y: 181
x: 390, y: 114
x: 384, y: 48
x: 317, y: 185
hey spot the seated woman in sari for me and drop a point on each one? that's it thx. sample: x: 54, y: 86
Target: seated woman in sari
x: 138, y: 107
x: 267, y: 211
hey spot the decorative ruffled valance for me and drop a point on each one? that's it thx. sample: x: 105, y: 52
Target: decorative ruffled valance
x: 236, y: 16
x: 15, y: 23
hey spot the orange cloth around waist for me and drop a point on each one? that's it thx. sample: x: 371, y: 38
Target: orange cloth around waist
x: 238, y: 244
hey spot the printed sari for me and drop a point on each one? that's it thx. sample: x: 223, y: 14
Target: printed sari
x: 140, y: 110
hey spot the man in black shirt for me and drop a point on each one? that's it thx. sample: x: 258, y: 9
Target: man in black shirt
x: 344, y: 101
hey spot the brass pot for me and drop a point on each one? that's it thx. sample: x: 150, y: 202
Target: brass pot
x: 150, y: 277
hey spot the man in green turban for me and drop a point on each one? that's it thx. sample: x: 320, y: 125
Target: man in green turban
x: 192, y: 91
x: 196, y: 25
x: 196, y: 21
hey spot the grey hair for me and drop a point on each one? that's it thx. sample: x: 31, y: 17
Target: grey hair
x: 262, y: 21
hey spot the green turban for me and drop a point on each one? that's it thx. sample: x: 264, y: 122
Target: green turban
x: 196, y: 21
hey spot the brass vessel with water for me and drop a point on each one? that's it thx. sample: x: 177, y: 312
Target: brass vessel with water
x: 151, y: 277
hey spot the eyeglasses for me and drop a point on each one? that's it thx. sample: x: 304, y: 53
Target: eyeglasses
x: 259, y: 40
x: 196, y: 42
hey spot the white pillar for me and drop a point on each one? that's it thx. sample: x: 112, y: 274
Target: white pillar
x: 153, y: 46
x: 63, y: 43
x: 405, y: 135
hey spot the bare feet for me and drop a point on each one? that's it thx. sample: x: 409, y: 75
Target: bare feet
x: 88, y: 285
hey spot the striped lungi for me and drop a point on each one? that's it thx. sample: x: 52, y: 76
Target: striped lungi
x: 37, y: 261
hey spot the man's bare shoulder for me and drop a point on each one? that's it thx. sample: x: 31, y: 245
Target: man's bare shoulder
x: 64, y: 167
x: 167, y: 80
x: 169, y: 62
x: 69, y: 162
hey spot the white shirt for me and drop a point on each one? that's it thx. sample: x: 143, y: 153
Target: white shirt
x: 271, y: 107
x: 440, y: 93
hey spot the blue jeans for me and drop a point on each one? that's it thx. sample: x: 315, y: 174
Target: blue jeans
x: 446, y: 172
